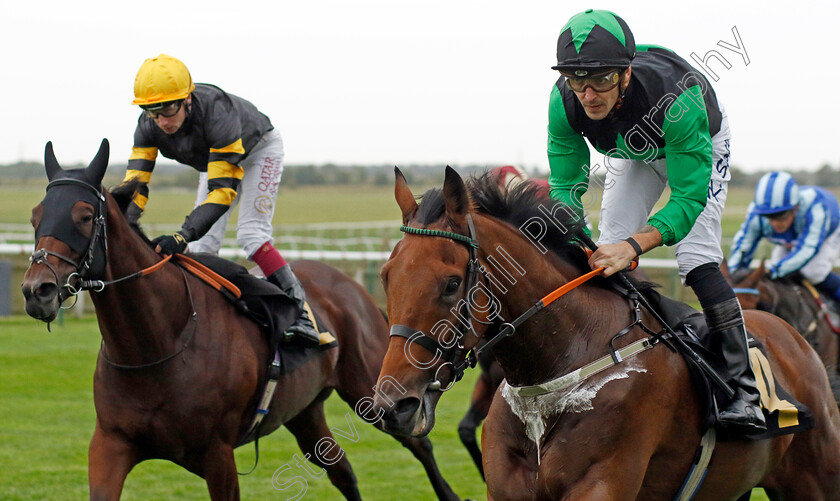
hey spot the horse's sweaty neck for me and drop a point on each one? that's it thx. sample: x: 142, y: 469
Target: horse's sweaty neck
x: 545, y: 346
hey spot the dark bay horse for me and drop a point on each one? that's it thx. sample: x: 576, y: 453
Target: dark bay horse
x: 793, y: 301
x: 180, y: 372
x: 627, y: 432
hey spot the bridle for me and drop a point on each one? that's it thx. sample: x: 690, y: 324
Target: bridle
x: 460, y: 362
x: 449, y: 352
x: 452, y: 354
x: 92, y: 262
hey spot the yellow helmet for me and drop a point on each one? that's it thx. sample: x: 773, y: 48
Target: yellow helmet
x: 162, y: 79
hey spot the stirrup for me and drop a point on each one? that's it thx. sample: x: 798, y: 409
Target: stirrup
x: 306, y: 334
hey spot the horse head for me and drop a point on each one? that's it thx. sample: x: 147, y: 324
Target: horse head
x: 445, y: 291
x: 69, y: 228
x: 432, y: 272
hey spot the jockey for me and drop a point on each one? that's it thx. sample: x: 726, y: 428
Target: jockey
x: 803, y: 222
x: 239, y: 157
x: 658, y: 121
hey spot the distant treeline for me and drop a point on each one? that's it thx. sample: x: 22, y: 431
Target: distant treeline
x: 174, y: 175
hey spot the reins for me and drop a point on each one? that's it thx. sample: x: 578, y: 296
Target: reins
x: 507, y: 329
x: 192, y: 321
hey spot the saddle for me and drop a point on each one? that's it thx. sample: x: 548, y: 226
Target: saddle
x: 783, y: 413
x: 269, y: 307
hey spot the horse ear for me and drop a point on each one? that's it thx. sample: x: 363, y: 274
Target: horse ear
x: 405, y: 199
x: 756, y: 275
x: 99, y: 164
x: 50, y: 163
x: 455, y: 197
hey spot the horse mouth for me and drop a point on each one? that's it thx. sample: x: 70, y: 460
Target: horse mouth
x: 43, y: 302
x: 412, y: 417
x: 46, y: 313
x: 425, y: 417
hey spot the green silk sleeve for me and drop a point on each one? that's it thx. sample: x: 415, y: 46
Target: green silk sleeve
x: 688, y: 155
x: 568, y: 156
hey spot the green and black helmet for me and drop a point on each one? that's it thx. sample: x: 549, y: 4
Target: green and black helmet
x: 593, y: 41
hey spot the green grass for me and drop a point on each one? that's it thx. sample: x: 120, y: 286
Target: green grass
x: 47, y: 411
x: 47, y: 419
x: 294, y: 206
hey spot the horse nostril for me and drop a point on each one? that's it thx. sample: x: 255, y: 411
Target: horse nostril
x: 46, y: 291
x: 406, y: 407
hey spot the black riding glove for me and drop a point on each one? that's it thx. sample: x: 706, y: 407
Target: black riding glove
x: 170, y: 244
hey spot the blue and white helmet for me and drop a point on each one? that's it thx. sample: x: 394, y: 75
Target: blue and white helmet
x: 776, y: 192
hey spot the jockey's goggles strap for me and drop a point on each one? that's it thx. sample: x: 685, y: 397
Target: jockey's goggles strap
x: 745, y: 290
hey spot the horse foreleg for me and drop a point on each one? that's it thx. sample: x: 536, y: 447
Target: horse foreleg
x: 309, y: 428
x: 219, y: 472
x: 110, y: 458
x: 480, y: 404
x: 422, y: 450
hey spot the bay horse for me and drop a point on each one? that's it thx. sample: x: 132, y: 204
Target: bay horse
x: 792, y: 300
x: 475, y: 262
x: 180, y: 372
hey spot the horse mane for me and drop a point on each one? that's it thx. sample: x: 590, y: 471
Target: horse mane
x: 123, y: 195
x: 516, y: 206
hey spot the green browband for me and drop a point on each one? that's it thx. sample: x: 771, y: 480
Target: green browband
x: 438, y: 233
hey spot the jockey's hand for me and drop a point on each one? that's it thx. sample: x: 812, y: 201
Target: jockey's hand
x: 170, y: 244
x: 613, y: 257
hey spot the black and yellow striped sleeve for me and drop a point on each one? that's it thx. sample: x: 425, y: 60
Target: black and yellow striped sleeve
x: 141, y: 163
x: 223, y: 175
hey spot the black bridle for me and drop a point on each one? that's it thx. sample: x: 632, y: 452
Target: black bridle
x: 453, y: 356
x: 450, y: 353
x: 92, y: 263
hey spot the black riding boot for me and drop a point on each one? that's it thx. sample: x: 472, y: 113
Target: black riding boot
x: 302, y: 329
x: 729, y: 340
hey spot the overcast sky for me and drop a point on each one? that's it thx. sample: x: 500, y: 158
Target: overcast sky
x: 398, y: 82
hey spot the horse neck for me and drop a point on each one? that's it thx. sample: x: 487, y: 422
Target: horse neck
x: 559, y: 338
x: 139, y: 318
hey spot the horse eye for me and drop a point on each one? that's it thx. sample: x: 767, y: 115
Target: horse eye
x: 452, y: 286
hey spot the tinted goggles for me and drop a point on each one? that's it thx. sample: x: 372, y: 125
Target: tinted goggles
x: 598, y: 83
x: 166, y: 110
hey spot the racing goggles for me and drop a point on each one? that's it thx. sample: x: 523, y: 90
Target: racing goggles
x: 598, y: 83
x: 166, y: 110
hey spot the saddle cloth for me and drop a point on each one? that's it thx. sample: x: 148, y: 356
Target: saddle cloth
x: 783, y: 413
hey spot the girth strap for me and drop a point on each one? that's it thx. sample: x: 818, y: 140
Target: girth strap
x: 574, y: 377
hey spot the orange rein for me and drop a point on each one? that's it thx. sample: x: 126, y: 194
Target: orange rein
x: 207, y: 275
x: 568, y: 286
